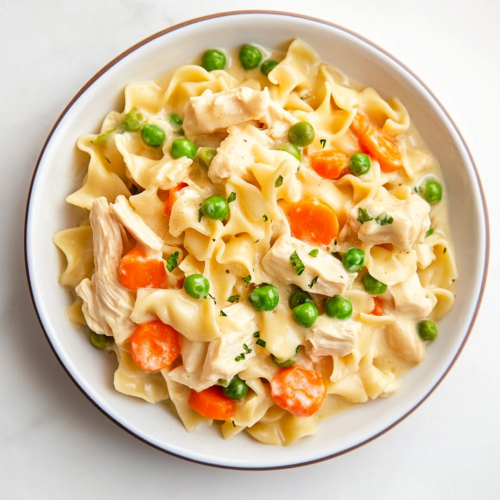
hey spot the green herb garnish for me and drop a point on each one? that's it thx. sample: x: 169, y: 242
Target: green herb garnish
x: 261, y: 342
x: 314, y: 253
x: 233, y: 299
x: 231, y: 198
x: 313, y: 282
x: 172, y: 261
x: 279, y: 181
x: 363, y: 216
x: 384, y: 219
x: 297, y: 264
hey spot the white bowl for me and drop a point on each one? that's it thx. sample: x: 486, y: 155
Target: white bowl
x: 56, y: 176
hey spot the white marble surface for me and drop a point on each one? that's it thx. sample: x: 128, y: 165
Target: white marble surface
x: 55, y: 444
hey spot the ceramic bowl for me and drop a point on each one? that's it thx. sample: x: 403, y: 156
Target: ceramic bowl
x: 56, y: 176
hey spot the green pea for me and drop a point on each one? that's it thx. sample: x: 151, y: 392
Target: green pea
x: 292, y: 149
x: 100, y: 341
x: 197, y: 286
x: 283, y: 364
x: 353, y: 260
x: 338, y: 307
x: 432, y: 192
x: 250, y: 56
x: 298, y: 298
x: 175, y: 120
x: 133, y: 120
x: 264, y: 298
x: 360, y: 164
x: 301, y: 134
x: 215, y: 208
x: 373, y: 286
x: 268, y: 66
x: 427, y: 330
x: 153, y: 135
x: 237, y: 388
x: 305, y: 314
x: 183, y: 147
x: 205, y: 156
x: 213, y: 59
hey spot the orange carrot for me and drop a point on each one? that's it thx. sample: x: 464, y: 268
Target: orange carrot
x: 360, y: 124
x: 312, y: 221
x: 212, y: 403
x: 298, y: 390
x: 329, y: 163
x: 138, y: 271
x: 379, y: 307
x: 172, y: 197
x: 154, y: 345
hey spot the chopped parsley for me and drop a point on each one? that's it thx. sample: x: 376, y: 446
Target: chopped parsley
x: 297, y: 349
x: 213, y: 298
x: 363, y: 216
x: 323, y: 142
x: 247, y: 280
x: 265, y: 218
x: 429, y: 232
x: 200, y: 214
x: 247, y: 349
x: 231, y: 198
x: 240, y: 357
x: 172, y: 261
x: 296, y: 263
x: 314, y: 253
x: 233, y: 299
x: 261, y: 342
x: 279, y: 181
x: 222, y: 313
x: 256, y: 335
x: 384, y: 219
x: 313, y: 282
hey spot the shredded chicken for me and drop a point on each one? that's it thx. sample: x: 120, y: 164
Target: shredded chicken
x: 332, y: 278
x: 411, y: 299
x: 107, y: 304
x: 333, y: 337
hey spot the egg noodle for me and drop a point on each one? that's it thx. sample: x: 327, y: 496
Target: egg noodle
x: 214, y: 198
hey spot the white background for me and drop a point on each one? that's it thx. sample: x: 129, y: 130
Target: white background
x: 55, y: 445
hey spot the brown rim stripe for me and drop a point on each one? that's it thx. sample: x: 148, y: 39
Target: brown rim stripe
x: 299, y: 16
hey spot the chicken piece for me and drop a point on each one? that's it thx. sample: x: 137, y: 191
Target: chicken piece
x: 410, y: 222
x: 333, y: 279
x: 278, y: 122
x: 425, y: 255
x: 127, y: 216
x: 333, y: 337
x: 411, y: 299
x: 107, y: 304
x: 193, y: 354
x: 237, y: 329
x: 211, y: 112
x: 190, y: 379
x: 403, y: 339
x: 235, y: 153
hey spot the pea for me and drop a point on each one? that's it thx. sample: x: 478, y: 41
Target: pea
x: 237, y: 388
x: 175, y: 120
x: 250, y: 56
x: 305, y: 314
x: 432, y: 192
x: 338, y: 307
x: 298, y: 298
x: 353, y: 260
x: 268, y: 66
x: 197, y: 286
x: 360, y: 164
x: 373, y: 286
x: 292, y: 149
x: 264, y: 298
x: 215, y: 208
x: 283, y: 364
x: 100, y: 341
x: 153, y: 135
x: 213, y: 59
x: 183, y: 147
x: 133, y: 120
x: 301, y: 134
x: 427, y: 330
x: 205, y: 156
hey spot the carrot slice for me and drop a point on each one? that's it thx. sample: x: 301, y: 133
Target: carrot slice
x: 138, y: 271
x: 311, y: 220
x: 154, y: 345
x: 382, y: 148
x: 329, y: 163
x: 379, y: 307
x: 212, y: 403
x: 172, y: 198
x: 360, y: 124
x: 298, y: 390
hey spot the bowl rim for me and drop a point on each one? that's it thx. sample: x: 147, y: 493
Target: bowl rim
x: 189, y: 22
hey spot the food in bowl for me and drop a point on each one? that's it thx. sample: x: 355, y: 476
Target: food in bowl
x: 265, y: 244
